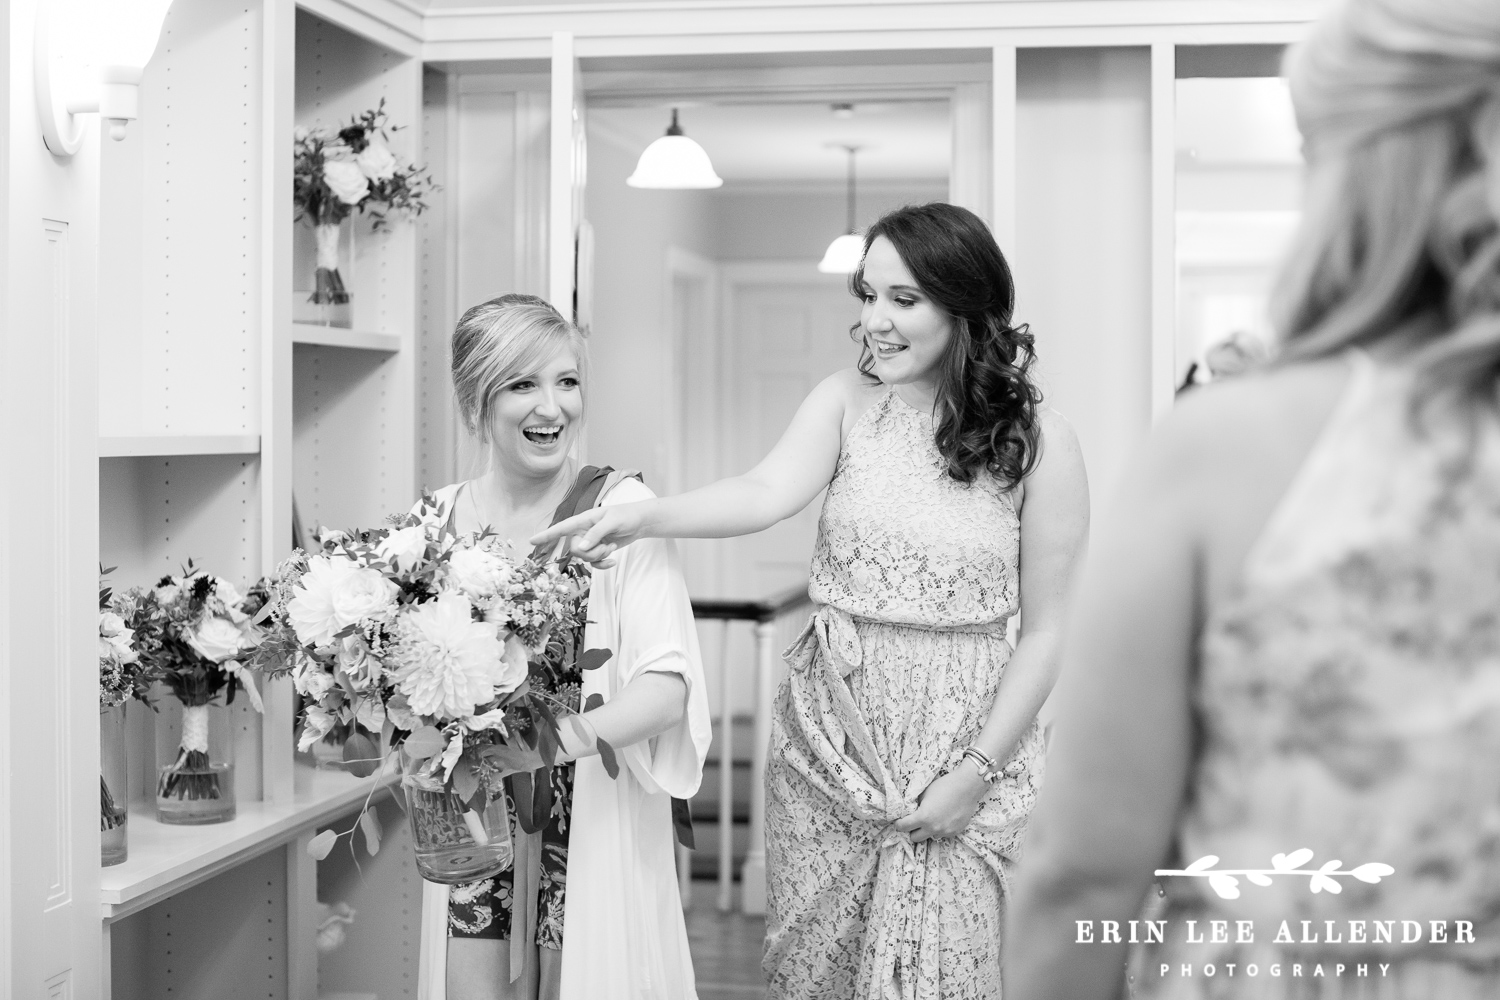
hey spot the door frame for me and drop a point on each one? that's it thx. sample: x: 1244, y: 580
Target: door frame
x: 734, y: 277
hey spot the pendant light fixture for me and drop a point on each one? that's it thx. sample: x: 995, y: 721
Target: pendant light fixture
x: 844, y: 254
x: 674, y: 161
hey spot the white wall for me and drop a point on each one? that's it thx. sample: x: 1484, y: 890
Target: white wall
x: 1082, y: 246
x: 629, y: 422
x: 798, y: 221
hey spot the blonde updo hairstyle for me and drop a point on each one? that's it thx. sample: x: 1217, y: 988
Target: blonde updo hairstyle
x: 502, y: 341
x: 1399, y: 106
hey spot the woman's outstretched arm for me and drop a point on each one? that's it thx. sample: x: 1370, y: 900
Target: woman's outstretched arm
x: 1054, y: 535
x: 786, y: 480
x: 1120, y: 750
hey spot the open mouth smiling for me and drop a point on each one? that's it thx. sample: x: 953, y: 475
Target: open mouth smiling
x: 543, y: 434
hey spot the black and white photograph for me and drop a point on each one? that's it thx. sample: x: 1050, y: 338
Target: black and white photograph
x: 750, y: 500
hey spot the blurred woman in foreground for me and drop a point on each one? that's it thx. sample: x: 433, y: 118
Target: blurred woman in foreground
x: 1286, y: 654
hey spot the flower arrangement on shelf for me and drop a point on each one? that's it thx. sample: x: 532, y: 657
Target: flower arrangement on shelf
x: 424, y: 640
x: 122, y: 676
x: 350, y: 169
x: 192, y: 633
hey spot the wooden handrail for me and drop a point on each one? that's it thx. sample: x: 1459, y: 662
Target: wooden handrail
x: 764, y: 610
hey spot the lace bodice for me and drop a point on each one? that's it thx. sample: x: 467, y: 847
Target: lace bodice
x: 1349, y: 695
x: 901, y: 541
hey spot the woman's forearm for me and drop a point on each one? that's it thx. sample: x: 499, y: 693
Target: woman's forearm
x: 1050, y: 963
x: 1024, y: 687
x: 739, y: 505
x: 648, y: 706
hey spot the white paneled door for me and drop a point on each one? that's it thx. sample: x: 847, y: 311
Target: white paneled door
x: 785, y: 329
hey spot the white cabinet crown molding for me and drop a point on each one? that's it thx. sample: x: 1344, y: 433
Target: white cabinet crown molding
x: 628, y: 27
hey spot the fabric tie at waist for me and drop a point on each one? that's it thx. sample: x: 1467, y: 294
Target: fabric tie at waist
x: 829, y: 742
x: 526, y: 881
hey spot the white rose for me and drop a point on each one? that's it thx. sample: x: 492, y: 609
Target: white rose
x: 376, y: 161
x: 477, y: 573
x: 217, y: 639
x: 346, y: 181
x: 316, y: 724
x: 403, y: 548
x: 313, y: 682
x: 115, y: 639
x: 513, y: 669
x: 358, y: 665
x: 335, y: 593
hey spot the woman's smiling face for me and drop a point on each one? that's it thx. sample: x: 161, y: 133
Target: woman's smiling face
x: 906, y: 330
x: 534, y: 420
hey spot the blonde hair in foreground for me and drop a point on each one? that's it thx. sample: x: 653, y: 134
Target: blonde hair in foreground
x: 1399, y: 106
x: 502, y: 341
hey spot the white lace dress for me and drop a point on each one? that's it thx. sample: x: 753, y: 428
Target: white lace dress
x: 915, y: 576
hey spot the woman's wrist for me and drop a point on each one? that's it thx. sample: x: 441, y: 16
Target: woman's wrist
x: 974, y: 779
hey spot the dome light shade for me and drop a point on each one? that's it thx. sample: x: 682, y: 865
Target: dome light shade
x: 843, y: 255
x: 674, y: 162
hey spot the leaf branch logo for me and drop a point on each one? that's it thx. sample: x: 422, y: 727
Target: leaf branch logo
x: 1324, y: 879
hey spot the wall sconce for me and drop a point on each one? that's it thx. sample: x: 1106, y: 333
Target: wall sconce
x: 89, y: 56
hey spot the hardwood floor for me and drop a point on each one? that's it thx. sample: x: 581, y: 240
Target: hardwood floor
x: 726, y: 952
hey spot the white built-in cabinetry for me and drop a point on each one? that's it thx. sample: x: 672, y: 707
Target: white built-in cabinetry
x: 216, y: 411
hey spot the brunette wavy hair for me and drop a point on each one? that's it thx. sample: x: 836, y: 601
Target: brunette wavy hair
x: 986, y: 405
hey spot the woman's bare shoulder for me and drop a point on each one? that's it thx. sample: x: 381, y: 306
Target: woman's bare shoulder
x: 1228, y: 452
x: 1259, y: 414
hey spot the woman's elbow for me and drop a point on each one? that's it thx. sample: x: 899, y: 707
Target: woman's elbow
x: 670, y: 695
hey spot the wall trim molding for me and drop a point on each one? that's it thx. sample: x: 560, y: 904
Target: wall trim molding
x: 643, y: 27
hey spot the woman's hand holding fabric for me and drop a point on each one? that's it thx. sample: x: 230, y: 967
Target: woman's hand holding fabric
x: 947, y: 806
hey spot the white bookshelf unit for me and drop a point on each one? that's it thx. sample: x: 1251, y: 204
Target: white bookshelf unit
x: 218, y: 413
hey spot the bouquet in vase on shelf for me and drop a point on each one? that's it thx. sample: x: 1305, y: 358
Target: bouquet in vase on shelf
x: 424, y: 641
x: 194, y: 631
x: 122, y: 676
x: 351, y: 169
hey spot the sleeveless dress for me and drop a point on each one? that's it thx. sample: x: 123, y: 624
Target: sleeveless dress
x: 1348, y: 703
x: 915, y: 577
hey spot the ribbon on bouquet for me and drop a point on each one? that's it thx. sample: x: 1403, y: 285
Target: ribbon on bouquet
x: 527, y: 880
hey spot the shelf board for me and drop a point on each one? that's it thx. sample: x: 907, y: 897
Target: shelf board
x: 165, y: 860
x: 124, y: 446
x: 334, y: 336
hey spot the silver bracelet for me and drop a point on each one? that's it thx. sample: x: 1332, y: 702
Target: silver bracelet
x: 988, y: 769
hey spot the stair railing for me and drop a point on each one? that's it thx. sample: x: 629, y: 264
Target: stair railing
x: 766, y: 613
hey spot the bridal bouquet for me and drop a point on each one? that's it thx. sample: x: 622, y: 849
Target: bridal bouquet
x: 122, y: 676
x: 193, y: 634
x: 351, y: 169
x: 423, y: 640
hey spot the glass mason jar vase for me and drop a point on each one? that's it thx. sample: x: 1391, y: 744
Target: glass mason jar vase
x: 114, y: 790
x: 453, y: 843
x: 195, y: 785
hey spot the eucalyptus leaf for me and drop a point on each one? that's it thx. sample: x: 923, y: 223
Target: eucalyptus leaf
x: 361, y: 755
x: 370, y: 827
x: 319, y: 846
x: 465, y: 781
x: 425, y: 742
x: 593, y: 701
x: 607, y: 755
x: 510, y: 758
x: 593, y: 659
